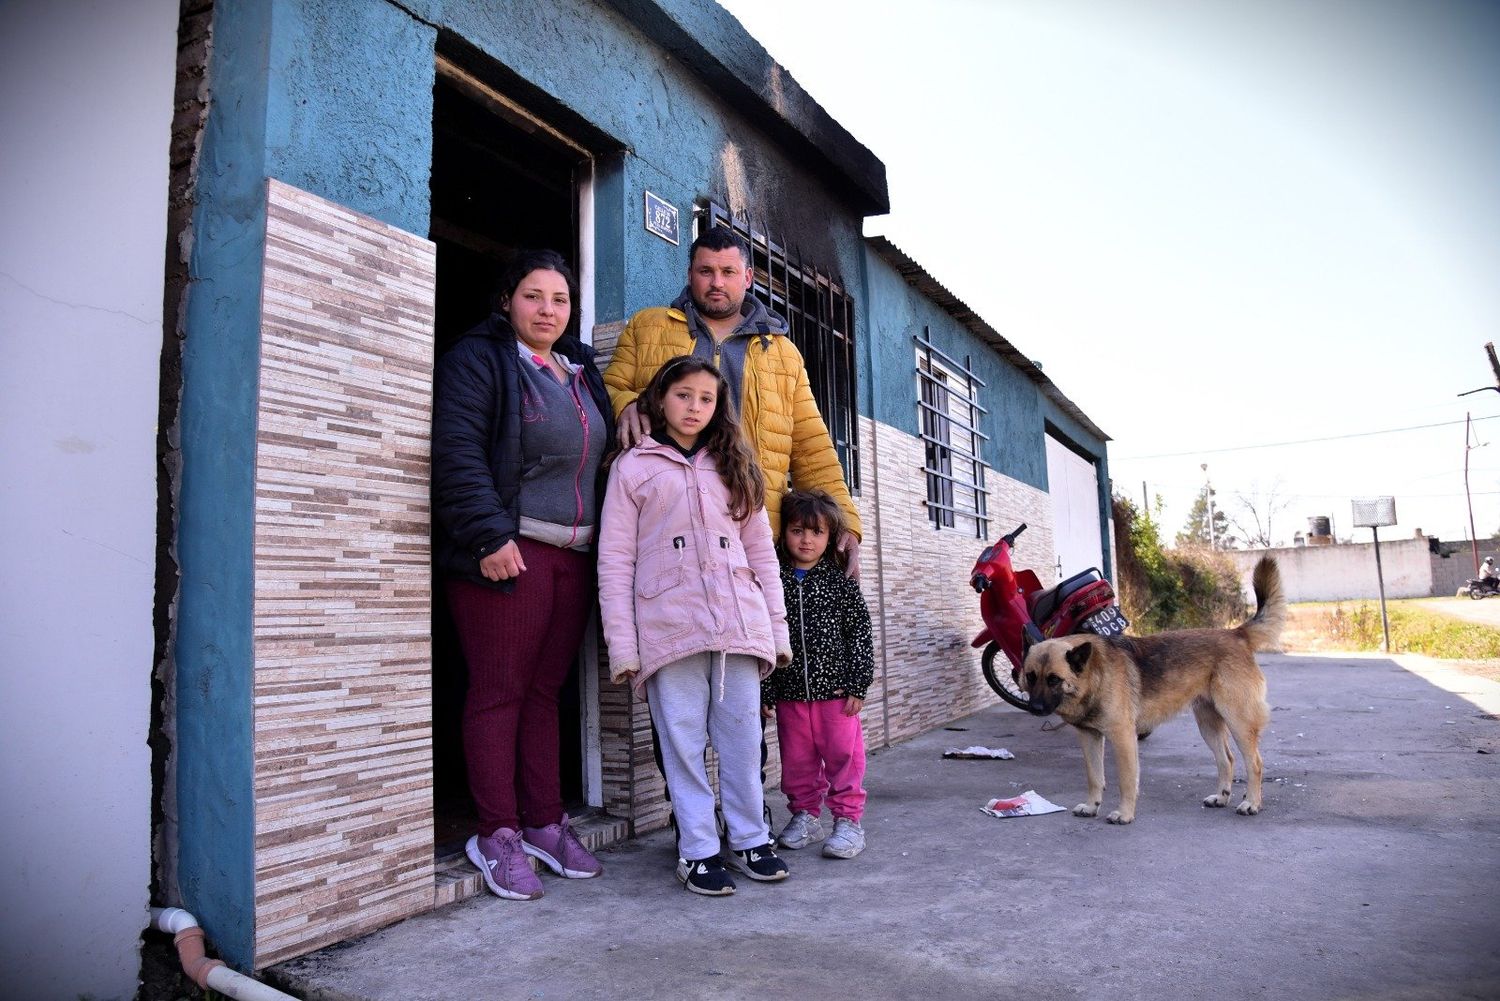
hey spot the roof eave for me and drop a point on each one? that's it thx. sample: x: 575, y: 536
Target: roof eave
x: 918, y: 277
x: 713, y: 44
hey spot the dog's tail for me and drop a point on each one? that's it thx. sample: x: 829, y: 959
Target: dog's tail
x: 1263, y: 630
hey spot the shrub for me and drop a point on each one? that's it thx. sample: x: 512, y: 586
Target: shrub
x: 1413, y: 630
x: 1163, y: 589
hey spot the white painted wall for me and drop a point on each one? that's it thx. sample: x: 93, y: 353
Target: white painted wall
x: 85, y: 109
x: 1073, y: 483
x: 1347, y: 572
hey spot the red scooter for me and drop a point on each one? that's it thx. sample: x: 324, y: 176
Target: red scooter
x: 1018, y: 612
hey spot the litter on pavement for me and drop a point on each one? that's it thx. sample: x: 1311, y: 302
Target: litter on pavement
x: 1028, y: 804
x: 978, y: 752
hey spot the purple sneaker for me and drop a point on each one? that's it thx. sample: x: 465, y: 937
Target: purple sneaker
x: 559, y: 849
x: 502, y: 862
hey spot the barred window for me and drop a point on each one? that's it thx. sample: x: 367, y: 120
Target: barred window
x: 949, y: 413
x: 820, y: 313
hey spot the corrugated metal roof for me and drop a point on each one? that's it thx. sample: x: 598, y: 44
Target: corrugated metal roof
x: 918, y: 278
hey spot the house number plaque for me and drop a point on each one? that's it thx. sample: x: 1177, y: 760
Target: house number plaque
x: 661, y: 217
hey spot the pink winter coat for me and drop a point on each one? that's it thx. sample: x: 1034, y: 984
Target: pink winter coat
x: 678, y: 575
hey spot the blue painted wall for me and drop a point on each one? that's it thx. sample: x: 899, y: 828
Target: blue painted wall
x: 1019, y: 413
x: 685, y: 142
x: 215, y: 505
x: 897, y: 313
x: 302, y: 92
x: 349, y: 106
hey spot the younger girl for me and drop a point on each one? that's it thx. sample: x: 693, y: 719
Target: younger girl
x: 819, y: 697
x: 693, y: 611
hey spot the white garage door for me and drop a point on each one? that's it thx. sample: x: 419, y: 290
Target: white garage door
x: 1073, y: 482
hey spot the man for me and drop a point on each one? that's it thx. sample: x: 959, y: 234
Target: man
x: 718, y: 318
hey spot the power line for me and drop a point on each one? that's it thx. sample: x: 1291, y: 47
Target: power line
x: 1303, y: 441
x: 1398, y: 495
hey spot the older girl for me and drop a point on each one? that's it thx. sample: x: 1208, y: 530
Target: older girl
x: 693, y: 613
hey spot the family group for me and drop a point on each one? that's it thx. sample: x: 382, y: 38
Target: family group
x: 659, y: 487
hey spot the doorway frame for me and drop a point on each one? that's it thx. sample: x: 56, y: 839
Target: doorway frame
x: 512, y: 111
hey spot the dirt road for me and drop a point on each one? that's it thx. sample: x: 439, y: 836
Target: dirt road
x: 1485, y: 612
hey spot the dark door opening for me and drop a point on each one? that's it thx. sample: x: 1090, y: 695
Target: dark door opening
x: 496, y: 188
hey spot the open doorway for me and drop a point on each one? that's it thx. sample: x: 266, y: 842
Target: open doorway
x: 499, y: 184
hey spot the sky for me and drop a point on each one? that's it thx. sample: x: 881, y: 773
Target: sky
x: 1252, y: 235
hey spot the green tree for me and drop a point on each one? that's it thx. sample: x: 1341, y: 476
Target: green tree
x: 1195, y: 529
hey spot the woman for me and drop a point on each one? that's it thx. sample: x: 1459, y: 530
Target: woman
x: 520, y: 424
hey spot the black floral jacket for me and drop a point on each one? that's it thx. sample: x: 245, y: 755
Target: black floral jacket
x: 833, y: 652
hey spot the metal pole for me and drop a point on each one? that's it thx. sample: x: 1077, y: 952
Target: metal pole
x: 1385, y: 623
x: 1468, y: 438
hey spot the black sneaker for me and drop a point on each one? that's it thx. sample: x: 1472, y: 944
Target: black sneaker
x: 705, y: 876
x: 762, y: 864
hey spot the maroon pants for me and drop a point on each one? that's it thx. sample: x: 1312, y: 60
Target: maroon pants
x: 520, y: 647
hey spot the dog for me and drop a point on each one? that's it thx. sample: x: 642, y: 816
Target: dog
x: 1121, y: 688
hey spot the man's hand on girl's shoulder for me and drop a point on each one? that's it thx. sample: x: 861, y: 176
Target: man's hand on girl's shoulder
x: 849, y: 546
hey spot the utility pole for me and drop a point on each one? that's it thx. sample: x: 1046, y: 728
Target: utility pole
x: 1208, y: 492
x: 1489, y: 350
x: 1469, y: 446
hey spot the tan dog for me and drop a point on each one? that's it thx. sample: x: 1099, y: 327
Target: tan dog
x: 1120, y: 689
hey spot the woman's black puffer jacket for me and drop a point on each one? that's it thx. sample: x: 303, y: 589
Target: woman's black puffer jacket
x: 476, y: 443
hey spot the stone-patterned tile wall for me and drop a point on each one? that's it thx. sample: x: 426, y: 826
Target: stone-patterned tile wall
x: 343, y: 578
x: 916, y: 581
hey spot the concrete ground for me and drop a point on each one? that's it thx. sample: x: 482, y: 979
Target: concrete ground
x: 1374, y: 872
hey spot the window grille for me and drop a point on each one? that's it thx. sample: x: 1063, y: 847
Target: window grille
x: 949, y: 411
x: 820, y: 313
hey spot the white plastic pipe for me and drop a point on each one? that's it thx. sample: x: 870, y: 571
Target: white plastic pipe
x: 205, y: 972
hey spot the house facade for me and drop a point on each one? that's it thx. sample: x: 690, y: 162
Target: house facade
x: 344, y: 180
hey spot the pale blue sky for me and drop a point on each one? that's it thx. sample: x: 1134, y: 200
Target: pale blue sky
x: 1215, y: 224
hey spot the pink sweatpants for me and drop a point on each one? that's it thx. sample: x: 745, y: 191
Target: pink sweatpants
x: 822, y: 757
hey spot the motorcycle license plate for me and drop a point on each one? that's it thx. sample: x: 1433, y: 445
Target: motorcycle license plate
x: 1105, y: 622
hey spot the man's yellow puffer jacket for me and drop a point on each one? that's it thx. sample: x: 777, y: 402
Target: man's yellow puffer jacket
x: 777, y: 406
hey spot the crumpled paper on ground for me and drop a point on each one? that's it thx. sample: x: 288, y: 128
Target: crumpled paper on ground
x: 1028, y: 804
x: 976, y: 751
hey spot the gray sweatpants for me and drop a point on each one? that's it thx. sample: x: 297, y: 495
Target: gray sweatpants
x: 685, y: 706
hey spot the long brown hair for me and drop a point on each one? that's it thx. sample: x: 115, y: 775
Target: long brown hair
x: 811, y: 508
x: 723, y: 438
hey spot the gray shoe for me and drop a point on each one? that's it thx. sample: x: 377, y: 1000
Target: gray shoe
x: 802, y: 830
x: 846, y: 841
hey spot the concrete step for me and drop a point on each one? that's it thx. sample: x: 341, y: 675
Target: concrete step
x: 457, y: 879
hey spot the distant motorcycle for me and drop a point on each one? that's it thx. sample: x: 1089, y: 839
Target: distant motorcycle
x: 1482, y: 587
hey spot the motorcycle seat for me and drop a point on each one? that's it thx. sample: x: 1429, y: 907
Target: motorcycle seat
x: 1045, y: 603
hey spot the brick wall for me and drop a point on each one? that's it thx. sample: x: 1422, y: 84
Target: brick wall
x: 1449, y: 572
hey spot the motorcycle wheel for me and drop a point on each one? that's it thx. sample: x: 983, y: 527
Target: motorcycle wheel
x: 1003, y: 681
x: 1476, y: 592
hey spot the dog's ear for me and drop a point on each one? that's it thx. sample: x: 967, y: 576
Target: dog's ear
x: 1079, y: 656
